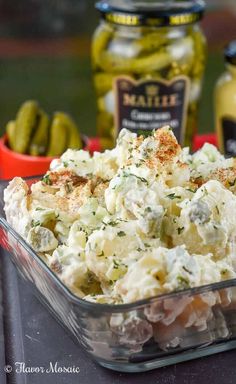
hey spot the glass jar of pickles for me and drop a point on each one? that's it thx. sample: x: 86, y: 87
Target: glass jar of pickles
x: 148, y: 61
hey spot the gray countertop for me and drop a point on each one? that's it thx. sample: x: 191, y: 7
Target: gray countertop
x: 2, y: 342
x: 33, y: 339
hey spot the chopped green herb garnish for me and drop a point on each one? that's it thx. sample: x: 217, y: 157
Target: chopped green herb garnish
x: 187, y: 270
x: 65, y: 163
x: 180, y: 230
x: 121, y: 233
x: 173, y: 196
x: 112, y: 223
x: 46, y: 180
x: 232, y: 183
x: 68, y: 188
x: 39, y: 209
x: 183, y: 281
x: 116, y: 264
x: 125, y: 174
x: 224, y: 271
x: 191, y: 190
x: 35, y: 223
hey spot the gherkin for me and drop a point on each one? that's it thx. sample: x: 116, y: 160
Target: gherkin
x: 32, y: 133
x: 63, y: 134
x: 101, y: 40
x: 26, y: 120
x: 58, y: 138
x: 153, y: 62
x: 103, y: 83
x: 39, y: 141
x: 10, y: 130
x: 73, y: 139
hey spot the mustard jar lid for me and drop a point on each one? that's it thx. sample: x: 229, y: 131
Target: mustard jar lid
x: 151, y: 13
x: 230, y: 53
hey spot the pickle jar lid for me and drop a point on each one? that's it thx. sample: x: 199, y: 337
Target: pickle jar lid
x: 230, y: 53
x: 151, y: 12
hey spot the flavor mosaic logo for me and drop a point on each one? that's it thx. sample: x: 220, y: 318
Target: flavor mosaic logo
x: 21, y: 367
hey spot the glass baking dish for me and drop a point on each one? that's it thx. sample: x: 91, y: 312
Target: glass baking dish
x: 132, y: 337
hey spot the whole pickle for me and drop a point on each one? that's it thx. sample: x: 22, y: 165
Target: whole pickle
x: 180, y: 69
x: 10, y: 130
x: 57, y: 137
x: 174, y: 71
x: 150, y: 42
x: 74, y: 141
x: 200, y: 54
x: 103, y: 83
x: 101, y: 104
x: 101, y: 40
x: 25, y: 123
x: 39, y: 141
x: 104, y: 123
x: 191, y: 124
x: 152, y: 76
x: 106, y: 143
x: 150, y: 63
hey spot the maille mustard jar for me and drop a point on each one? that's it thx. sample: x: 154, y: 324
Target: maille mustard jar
x: 148, y: 61
x: 225, y: 103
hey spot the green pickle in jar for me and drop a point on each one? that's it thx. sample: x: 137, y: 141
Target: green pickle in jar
x: 148, y: 62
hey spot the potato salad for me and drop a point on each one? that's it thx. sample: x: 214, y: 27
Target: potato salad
x: 140, y: 220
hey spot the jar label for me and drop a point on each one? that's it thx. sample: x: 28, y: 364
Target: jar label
x: 229, y: 135
x: 142, y: 106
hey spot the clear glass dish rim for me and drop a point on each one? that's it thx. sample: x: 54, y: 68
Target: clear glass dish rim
x: 111, y: 308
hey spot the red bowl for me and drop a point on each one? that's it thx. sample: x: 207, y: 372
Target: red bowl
x: 199, y: 140
x: 15, y: 164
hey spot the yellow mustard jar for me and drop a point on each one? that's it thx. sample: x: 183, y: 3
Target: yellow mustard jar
x: 225, y: 103
x: 148, y: 62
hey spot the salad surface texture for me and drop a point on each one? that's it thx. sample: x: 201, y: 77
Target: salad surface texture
x: 140, y: 220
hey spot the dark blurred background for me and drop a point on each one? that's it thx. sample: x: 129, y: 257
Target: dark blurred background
x: 45, y: 55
